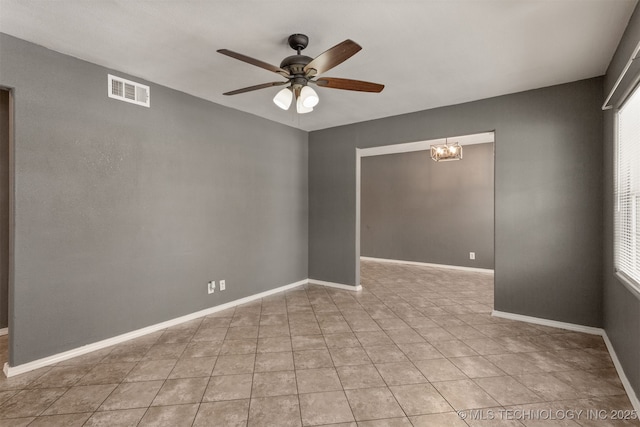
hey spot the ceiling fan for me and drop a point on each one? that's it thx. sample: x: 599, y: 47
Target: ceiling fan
x: 301, y: 70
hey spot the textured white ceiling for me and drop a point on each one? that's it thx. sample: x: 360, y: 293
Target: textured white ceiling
x: 428, y: 53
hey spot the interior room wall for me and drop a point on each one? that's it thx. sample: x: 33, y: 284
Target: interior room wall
x: 621, y: 306
x: 414, y: 209
x: 548, y: 202
x: 4, y: 208
x: 124, y: 213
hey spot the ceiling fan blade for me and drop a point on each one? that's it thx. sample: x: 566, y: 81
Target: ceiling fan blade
x: 256, y: 87
x: 332, y: 57
x: 254, y: 61
x: 348, y: 84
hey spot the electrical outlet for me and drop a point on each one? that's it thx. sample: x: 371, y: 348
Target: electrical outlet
x: 223, y: 285
x: 211, y: 287
x: 472, y: 255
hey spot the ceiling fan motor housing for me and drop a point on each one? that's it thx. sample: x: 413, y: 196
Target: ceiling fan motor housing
x: 295, y: 64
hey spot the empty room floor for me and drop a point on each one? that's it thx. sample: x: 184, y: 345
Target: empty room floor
x: 417, y: 346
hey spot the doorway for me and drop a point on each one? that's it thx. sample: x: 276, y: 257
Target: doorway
x: 5, y: 138
x: 414, y: 211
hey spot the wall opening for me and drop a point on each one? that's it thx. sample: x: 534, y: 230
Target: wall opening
x: 414, y: 210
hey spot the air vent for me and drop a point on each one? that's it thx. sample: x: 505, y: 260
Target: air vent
x: 128, y: 91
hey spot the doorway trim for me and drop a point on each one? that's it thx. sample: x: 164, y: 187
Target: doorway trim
x: 11, y: 235
x: 407, y: 147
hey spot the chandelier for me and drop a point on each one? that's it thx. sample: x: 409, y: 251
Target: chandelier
x: 446, y: 152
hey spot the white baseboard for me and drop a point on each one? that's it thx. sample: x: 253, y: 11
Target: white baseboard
x: 546, y: 322
x: 633, y: 398
x: 356, y: 288
x: 10, y: 371
x: 623, y: 378
x: 426, y: 264
x: 4, y: 331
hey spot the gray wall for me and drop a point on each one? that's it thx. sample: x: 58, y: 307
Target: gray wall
x: 124, y: 213
x: 415, y: 209
x: 621, y: 307
x: 4, y: 208
x: 548, y: 203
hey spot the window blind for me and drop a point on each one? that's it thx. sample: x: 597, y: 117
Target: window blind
x: 627, y: 191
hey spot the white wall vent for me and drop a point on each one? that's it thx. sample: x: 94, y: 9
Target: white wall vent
x: 128, y: 91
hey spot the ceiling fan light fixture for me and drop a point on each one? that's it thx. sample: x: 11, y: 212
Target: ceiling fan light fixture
x: 283, y: 98
x: 300, y: 108
x: 309, y: 97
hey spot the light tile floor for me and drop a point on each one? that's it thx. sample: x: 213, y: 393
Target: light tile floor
x: 416, y: 346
